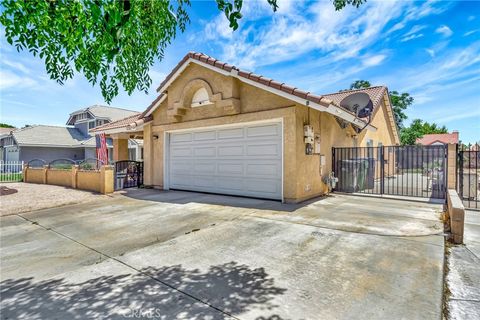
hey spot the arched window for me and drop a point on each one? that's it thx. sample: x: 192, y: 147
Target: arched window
x: 200, y: 98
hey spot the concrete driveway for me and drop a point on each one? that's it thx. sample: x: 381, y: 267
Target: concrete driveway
x: 181, y: 255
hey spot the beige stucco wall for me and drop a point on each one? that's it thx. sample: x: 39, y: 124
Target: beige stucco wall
x: 59, y: 177
x: 91, y: 180
x: 237, y: 102
x: 34, y: 175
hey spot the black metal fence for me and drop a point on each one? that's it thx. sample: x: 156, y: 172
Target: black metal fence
x: 128, y: 174
x: 412, y: 171
x: 468, y: 178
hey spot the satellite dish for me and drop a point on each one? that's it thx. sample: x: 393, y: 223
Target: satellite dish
x: 359, y: 103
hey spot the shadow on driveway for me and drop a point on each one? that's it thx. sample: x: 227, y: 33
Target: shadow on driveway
x: 230, y: 288
x: 185, y: 197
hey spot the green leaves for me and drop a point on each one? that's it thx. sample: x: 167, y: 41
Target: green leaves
x: 110, y: 42
x: 340, y: 4
x: 417, y: 129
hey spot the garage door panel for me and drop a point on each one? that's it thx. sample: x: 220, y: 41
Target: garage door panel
x: 230, y: 168
x: 181, y: 152
x: 181, y: 180
x: 231, y: 133
x: 205, y: 151
x: 204, y: 168
x: 205, y: 135
x: 204, y: 181
x: 262, y: 150
x: 244, y: 160
x: 181, y: 137
x: 230, y: 151
x: 263, y: 130
x: 269, y: 170
x: 231, y: 184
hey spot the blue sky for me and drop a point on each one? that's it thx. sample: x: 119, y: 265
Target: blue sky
x: 429, y: 49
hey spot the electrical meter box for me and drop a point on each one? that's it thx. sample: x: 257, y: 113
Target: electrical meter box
x: 308, y: 134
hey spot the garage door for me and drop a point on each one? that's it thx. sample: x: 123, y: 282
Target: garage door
x: 244, y: 160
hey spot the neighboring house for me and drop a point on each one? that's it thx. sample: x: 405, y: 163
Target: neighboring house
x: 439, y: 139
x: 73, y: 142
x: 4, y: 133
x: 216, y: 128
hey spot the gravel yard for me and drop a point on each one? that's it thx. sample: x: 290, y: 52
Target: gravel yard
x: 40, y: 196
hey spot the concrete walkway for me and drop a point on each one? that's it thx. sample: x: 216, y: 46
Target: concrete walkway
x: 463, y: 279
x: 181, y: 255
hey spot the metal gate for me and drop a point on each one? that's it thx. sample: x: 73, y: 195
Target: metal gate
x: 411, y: 171
x: 468, y: 178
x: 128, y: 174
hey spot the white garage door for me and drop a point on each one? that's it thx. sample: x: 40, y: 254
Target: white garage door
x: 244, y: 160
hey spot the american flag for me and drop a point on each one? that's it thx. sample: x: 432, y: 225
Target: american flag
x: 102, y: 151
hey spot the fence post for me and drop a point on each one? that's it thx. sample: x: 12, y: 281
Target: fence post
x: 74, y: 176
x: 382, y: 170
x: 45, y: 174
x: 106, y: 179
x: 24, y: 172
x: 451, y: 166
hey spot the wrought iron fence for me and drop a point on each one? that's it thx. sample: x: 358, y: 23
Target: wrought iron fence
x: 62, y: 164
x: 128, y: 174
x: 36, y: 163
x: 90, y: 164
x: 468, y: 178
x: 412, y: 171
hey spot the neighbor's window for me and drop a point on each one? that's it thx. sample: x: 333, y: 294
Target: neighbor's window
x: 91, y: 125
x: 200, y: 98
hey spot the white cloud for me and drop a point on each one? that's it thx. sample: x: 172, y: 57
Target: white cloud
x: 374, y: 60
x: 415, y: 29
x: 415, y: 12
x: 444, y: 30
x: 411, y: 37
x: 288, y: 34
x: 468, y: 33
x: 16, y: 65
x: 471, y: 18
x: 9, y: 80
x: 431, y: 52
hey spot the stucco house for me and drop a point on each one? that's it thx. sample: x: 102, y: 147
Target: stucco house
x: 217, y: 128
x: 439, y: 139
x: 74, y: 141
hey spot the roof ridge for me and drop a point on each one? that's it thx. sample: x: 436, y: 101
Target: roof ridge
x: 353, y: 90
x: 119, y: 108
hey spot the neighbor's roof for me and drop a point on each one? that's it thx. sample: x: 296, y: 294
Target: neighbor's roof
x: 41, y: 135
x: 6, y: 131
x: 375, y: 93
x: 446, y: 138
x: 105, y: 112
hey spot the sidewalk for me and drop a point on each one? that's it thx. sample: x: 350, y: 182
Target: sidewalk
x: 463, y: 278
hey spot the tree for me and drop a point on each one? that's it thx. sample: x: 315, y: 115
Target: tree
x: 417, y: 129
x: 360, y: 84
x: 113, y: 42
x: 4, y: 125
x: 400, y: 101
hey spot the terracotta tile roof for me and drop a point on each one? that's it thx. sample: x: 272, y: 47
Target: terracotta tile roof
x: 6, y: 130
x: 248, y: 75
x: 375, y: 94
x: 429, y: 139
x: 119, y: 123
